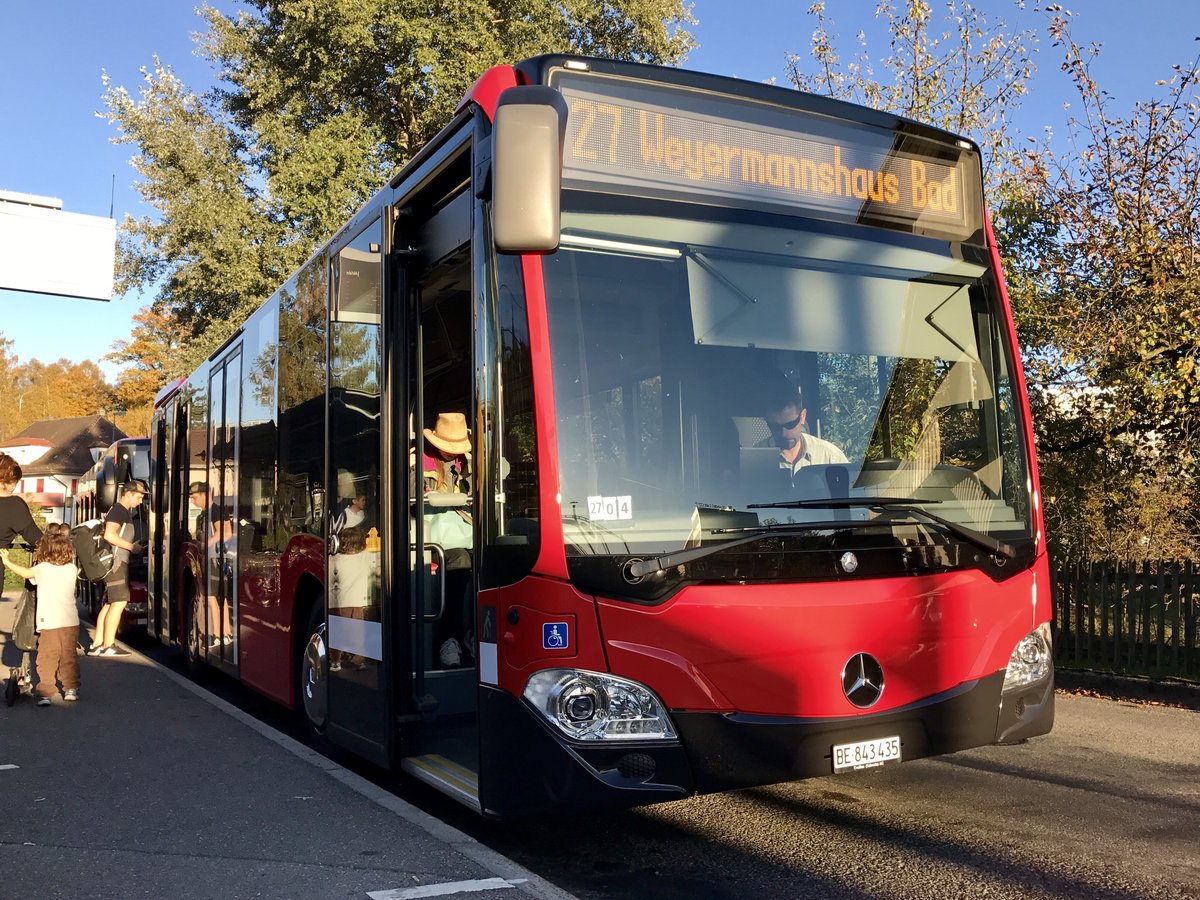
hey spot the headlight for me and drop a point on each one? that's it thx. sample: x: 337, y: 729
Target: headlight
x: 1030, y: 660
x: 590, y: 706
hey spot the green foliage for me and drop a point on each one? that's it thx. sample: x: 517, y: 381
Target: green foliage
x: 21, y: 557
x: 1099, y: 238
x: 319, y: 104
x: 1101, y: 253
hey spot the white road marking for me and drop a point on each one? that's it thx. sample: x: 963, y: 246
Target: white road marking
x: 446, y: 888
x: 9, y: 766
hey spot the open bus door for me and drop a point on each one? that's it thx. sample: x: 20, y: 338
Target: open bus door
x: 428, y: 340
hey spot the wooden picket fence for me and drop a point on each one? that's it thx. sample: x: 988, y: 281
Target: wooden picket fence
x: 1130, y: 618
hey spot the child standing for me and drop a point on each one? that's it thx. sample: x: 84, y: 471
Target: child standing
x: 54, y: 574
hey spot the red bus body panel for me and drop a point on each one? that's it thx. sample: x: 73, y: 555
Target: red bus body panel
x: 267, y: 601
x: 535, y: 601
x: 264, y: 635
x: 486, y: 91
x: 779, y: 650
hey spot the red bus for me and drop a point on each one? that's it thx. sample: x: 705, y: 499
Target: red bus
x: 125, y: 460
x: 751, y: 486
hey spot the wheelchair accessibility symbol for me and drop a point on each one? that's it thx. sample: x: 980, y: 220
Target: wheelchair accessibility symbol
x: 555, y: 636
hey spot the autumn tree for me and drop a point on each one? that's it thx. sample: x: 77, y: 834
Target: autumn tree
x: 35, y: 391
x: 152, y: 356
x: 1101, y: 240
x: 318, y: 104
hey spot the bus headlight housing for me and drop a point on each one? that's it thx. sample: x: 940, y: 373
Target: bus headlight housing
x: 1030, y: 660
x: 591, y: 706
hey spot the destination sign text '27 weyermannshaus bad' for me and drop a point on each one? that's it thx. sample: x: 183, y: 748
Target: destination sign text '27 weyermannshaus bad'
x: 666, y: 140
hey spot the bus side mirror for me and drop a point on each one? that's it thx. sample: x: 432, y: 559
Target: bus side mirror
x: 527, y: 139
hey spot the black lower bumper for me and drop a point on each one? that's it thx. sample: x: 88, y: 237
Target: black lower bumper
x: 527, y: 769
x: 739, y: 751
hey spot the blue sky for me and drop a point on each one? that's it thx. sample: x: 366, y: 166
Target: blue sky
x: 53, y: 144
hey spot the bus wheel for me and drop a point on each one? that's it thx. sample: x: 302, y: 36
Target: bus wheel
x: 313, y: 674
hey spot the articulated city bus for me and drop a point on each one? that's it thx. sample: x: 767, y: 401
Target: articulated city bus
x: 125, y: 459
x: 743, y: 478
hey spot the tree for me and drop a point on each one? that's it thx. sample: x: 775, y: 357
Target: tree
x: 36, y: 391
x: 320, y: 103
x: 967, y: 78
x: 1102, y: 244
x: 153, y: 353
x: 215, y: 245
x: 8, y: 379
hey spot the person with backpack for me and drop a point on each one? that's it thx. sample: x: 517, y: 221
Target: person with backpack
x: 119, y: 533
x: 53, y: 572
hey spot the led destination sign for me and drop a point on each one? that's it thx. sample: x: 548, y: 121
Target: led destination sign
x: 672, y: 141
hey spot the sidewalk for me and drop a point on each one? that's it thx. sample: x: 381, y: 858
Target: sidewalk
x: 149, y: 786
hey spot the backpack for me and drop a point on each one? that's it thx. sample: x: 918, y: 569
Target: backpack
x: 93, y: 552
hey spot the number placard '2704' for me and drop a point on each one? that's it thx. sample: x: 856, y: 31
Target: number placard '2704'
x: 610, y: 508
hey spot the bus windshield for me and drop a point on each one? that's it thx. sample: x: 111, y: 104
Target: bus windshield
x: 709, y: 365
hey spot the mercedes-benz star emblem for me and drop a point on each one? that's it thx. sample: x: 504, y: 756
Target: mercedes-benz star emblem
x: 862, y: 680
x: 849, y: 562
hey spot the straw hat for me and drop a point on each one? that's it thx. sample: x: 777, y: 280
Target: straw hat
x: 450, y: 433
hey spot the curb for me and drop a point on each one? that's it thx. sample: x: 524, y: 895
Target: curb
x: 1123, y: 687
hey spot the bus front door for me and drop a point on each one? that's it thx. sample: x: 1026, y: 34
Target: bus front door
x: 440, y: 732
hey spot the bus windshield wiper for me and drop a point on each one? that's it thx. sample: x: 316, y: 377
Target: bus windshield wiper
x: 910, y: 505
x: 639, y: 568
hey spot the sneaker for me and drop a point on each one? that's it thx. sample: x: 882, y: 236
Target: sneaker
x: 43, y: 701
x: 112, y: 650
x: 95, y: 650
x: 451, y: 653
x: 71, y: 694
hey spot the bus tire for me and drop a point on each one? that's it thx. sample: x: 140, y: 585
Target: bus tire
x: 191, y: 637
x: 312, y: 682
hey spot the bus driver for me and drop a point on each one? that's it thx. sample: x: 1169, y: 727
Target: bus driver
x: 785, y: 414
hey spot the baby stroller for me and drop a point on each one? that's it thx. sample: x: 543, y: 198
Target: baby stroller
x: 20, y: 679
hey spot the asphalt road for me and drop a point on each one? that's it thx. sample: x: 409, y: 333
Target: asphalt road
x: 1107, y: 806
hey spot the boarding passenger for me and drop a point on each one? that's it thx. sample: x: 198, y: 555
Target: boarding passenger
x: 447, y: 471
x: 118, y: 532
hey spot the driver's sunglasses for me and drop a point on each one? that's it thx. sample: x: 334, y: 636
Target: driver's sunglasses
x: 785, y: 426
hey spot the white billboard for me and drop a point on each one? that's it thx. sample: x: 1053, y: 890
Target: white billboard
x: 47, y: 251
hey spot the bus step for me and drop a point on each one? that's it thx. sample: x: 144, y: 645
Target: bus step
x: 447, y: 776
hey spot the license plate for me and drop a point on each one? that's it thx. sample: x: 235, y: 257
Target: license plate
x: 865, y: 754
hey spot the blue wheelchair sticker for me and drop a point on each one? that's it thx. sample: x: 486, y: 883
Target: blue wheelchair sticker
x: 555, y: 636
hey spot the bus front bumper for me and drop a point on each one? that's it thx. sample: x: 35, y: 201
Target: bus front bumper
x: 728, y: 751
x: 735, y: 751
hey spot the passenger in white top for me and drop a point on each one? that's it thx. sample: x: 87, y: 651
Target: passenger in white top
x: 786, y: 417
x: 54, y: 574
